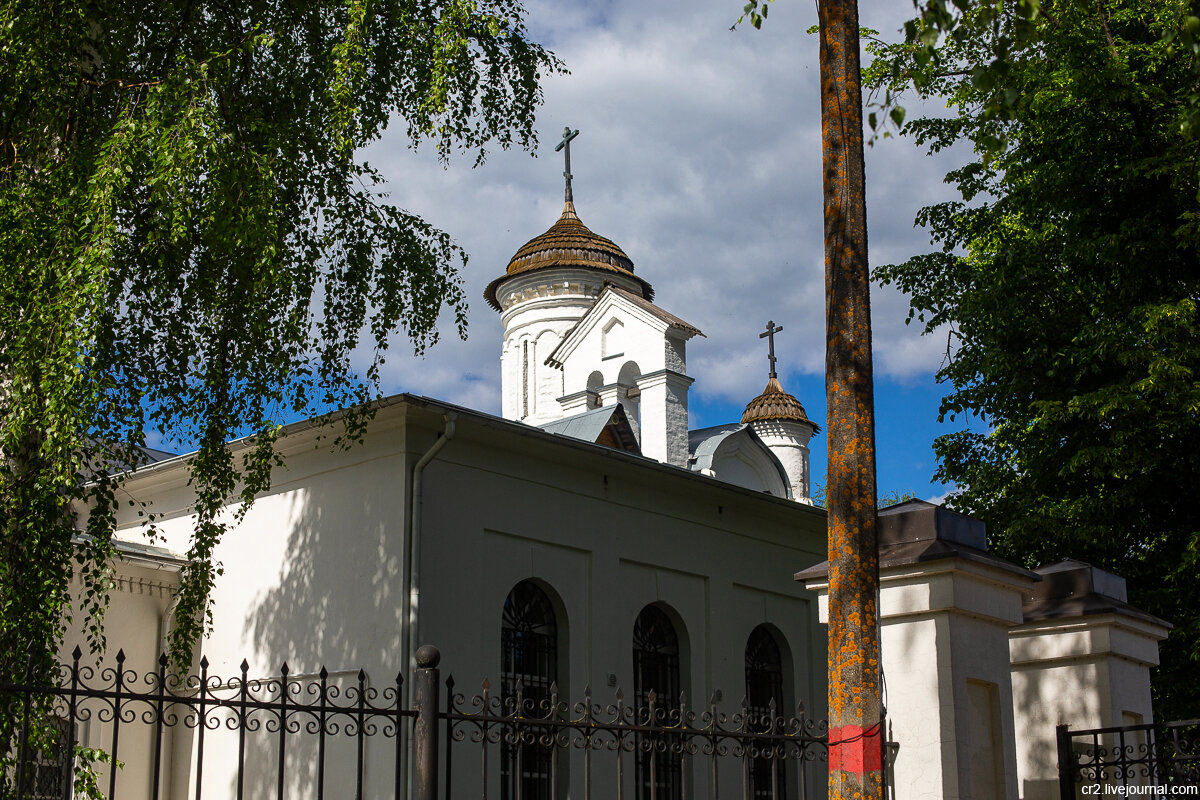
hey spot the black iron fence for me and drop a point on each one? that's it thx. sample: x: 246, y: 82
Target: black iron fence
x: 1162, y: 755
x: 335, y: 734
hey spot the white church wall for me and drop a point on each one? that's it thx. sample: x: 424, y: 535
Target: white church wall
x: 539, y: 308
x: 664, y: 416
x: 311, y: 576
x: 616, y: 337
x: 138, y: 609
x: 609, y: 535
x: 789, y: 442
x: 321, y: 547
x: 741, y: 461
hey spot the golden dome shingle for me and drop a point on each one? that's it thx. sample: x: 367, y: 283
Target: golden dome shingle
x: 568, y: 243
x: 776, y: 404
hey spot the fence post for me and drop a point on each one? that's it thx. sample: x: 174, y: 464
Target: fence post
x: 427, y: 688
x: 1066, y: 763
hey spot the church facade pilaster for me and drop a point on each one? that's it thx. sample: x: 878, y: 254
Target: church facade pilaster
x: 664, y: 416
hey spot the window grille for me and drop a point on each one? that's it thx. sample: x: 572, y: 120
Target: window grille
x: 529, y: 656
x: 764, y: 686
x: 656, y: 669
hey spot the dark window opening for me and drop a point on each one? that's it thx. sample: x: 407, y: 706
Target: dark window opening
x: 764, y: 685
x: 529, y: 655
x: 656, y: 668
x: 46, y: 772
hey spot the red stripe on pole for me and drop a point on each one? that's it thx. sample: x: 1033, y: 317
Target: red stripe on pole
x: 852, y: 750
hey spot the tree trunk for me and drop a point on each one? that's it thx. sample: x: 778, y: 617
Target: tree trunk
x: 855, y: 752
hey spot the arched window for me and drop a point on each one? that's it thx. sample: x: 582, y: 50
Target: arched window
x: 656, y: 668
x: 764, y: 684
x: 630, y: 395
x: 528, y: 655
x: 594, y: 382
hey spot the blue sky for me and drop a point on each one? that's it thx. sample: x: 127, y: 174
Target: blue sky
x: 700, y: 155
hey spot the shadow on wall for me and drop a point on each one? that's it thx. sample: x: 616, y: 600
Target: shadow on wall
x: 338, y: 603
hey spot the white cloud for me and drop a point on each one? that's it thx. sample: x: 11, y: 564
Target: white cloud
x: 700, y: 156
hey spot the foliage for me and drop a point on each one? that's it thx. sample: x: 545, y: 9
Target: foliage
x: 891, y: 498
x: 188, y: 244
x: 1068, y: 277
x: 755, y: 11
x: 85, y: 782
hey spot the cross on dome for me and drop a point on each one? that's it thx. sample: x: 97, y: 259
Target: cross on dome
x: 565, y: 144
x: 769, y: 335
x: 774, y: 403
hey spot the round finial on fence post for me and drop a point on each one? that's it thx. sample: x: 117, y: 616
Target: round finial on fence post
x: 425, y: 727
x: 428, y: 656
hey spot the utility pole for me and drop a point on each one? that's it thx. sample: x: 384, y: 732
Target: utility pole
x: 855, y: 704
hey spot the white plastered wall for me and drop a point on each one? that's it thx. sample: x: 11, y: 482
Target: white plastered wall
x: 1084, y: 671
x: 631, y: 347
x: 789, y: 440
x: 313, y: 575
x: 539, y: 308
x: 136, y: 622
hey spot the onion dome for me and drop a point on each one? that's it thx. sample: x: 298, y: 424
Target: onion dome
x: 776, y: 404
x: 568, y: 243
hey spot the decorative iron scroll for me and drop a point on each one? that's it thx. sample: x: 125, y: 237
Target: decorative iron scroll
x: 309, y: 735
x: 280, y: 708
x: 1138, y: 755
x: 706, y: 735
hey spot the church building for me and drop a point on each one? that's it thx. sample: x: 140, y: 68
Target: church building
x: 636, y: 553
x: 588, y: 538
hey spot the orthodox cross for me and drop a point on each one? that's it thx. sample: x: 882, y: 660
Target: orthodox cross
x: 568, y: 135
x: 769, y: 335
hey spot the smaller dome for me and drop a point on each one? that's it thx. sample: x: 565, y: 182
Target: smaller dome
x: 776, y: 404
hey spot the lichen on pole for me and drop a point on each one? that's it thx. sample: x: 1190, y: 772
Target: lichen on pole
x: 855, y: 705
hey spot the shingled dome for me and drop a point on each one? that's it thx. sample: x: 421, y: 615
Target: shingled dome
x: 568, y: 243
x: 776, y: 404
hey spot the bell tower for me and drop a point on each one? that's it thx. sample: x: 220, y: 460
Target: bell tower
x: 551, y: 282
